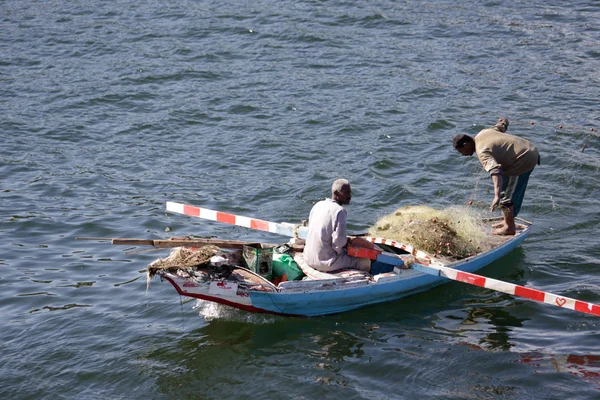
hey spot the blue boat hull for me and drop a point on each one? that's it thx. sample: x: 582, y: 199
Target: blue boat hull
x: 330, y: 296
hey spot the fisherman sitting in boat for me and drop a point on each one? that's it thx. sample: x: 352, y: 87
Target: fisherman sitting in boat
x: 509, y: 160
x: 326, y: 242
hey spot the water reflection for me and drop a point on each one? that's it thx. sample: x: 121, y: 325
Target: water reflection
x: 586, y: 367
x: 500, y: 322
x: 490, y: 329
x: 236, y: 350
x: 225, y: 353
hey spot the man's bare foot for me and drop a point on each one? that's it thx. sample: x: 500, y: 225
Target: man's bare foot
x: 504, y: 231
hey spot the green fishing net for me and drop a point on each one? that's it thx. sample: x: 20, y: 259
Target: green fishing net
x: 456, y: 232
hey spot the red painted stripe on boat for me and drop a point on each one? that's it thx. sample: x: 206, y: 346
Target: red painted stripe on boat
x: 532, y: 294
x: 226, y: 302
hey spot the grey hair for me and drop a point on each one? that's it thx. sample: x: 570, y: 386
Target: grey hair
x: 338, y: 185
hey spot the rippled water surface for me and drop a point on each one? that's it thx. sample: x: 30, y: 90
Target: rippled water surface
x: 110, y: 109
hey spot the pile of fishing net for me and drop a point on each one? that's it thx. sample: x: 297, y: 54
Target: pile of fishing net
x: 455, y: 233
x: 183, y: 257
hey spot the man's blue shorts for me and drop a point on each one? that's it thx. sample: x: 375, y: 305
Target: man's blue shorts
x: 514, y: 189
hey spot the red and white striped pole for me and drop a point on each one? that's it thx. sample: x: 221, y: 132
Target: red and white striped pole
x: 438, y: 269
x: 283, y: 228
x: 286, y: 229
x: 512, y: 289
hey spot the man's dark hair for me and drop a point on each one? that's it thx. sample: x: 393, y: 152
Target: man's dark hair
x: 460, y: 140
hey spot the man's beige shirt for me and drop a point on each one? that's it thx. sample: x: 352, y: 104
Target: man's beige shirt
x: 510, y: 154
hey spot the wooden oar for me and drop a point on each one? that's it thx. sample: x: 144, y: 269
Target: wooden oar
x: 175, y: 242
x: 438, y: 269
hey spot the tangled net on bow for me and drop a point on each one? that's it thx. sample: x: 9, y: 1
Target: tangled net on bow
x: 183, y: 257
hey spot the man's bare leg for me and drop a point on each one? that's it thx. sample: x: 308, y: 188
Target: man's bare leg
x: 508, y: 227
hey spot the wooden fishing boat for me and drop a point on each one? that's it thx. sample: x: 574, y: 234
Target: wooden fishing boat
x: 228, y: 281
x: 219, y: 270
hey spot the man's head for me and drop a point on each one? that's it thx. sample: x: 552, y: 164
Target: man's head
x: 502, y: 125
x: 341, y: 191
x: 464, y: 144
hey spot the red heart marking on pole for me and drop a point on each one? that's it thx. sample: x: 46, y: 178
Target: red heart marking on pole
x: 560, y: 301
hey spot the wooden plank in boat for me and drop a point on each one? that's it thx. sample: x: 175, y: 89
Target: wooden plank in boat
x: 177, y: 242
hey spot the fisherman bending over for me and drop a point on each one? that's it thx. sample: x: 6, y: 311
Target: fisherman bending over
x: 509, y: 160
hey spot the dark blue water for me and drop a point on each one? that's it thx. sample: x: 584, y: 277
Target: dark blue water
x: 110, y: 109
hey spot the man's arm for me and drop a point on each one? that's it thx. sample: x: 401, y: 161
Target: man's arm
x: 497, y: 179
x: 489, y: 163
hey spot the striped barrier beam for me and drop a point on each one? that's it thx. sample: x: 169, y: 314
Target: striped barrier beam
x: 283, y: 228
x: 484, y: 282
x: 417, y: 253
x: 510, y: 288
